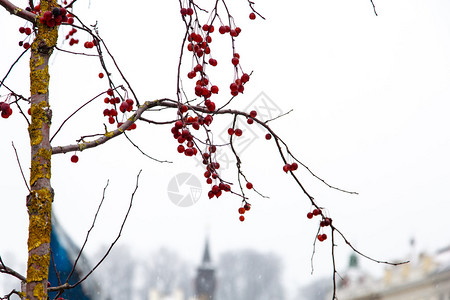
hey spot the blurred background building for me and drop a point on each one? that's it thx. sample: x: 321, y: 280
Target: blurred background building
x: 425, y: 277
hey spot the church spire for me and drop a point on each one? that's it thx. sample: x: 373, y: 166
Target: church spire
x: 206, y: 256
x: 205, y: 282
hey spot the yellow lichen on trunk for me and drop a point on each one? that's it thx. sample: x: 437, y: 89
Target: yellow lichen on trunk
x: 39, y: 202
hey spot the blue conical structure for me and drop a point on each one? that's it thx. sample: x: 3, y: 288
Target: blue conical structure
x: 64, y: 254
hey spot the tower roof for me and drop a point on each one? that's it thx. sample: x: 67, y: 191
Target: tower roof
x: 206, y: 256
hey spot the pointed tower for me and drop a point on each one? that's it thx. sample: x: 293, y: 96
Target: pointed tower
x: 205, y: 282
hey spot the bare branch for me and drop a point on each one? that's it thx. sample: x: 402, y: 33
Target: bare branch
x: 66, y: 285
x: 108, y: 135
x: 8, y: 270
x: 22, y: 13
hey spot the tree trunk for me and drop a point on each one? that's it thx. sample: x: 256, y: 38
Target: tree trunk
x: 39, y: 202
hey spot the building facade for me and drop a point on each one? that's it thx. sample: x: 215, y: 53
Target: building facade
x: 426, y: 277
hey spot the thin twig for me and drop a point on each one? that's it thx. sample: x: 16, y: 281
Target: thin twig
x: 12, y: 66
x: 374, y: 10
x: 20, y: 167
x: 89, y: 232
x: 143, y: 153
x: 77, y: 110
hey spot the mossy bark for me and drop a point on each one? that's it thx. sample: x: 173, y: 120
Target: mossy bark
x: 39, y: 202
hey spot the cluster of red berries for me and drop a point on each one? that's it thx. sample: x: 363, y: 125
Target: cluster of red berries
x: 27, y: 31
x: 72, y: 40
x: 199, y: 40
x: 227, y: 29
x: 125, y: 106
x: 322, y: 237
x: 242, y: 211
x: 55, y: 17
x: 315, y: 212
x: 288, y: 167
x: 5, y: 109
x: 182, y: 134
x: 186, y: 11
x: 323, y: 223
x: 237, y: 131
x: 238, y: 85
x: 89, y: 44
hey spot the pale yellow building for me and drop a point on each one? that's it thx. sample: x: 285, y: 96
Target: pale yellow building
x: 425, y: 278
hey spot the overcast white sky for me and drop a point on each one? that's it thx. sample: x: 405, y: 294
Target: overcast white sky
x: 370, y: 114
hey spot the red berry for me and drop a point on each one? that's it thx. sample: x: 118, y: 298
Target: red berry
x: 123, y: 107
x: 316, y: 212
x: 22, y: 29
x: 309, y: 215
x: 100, y: 75
x: 249, y: 185
x: 286, y: 167
x: 245, y: 77
x: 74, y: 158
x: 214, y: 89
x: 180, y: 149
x: 51, y: 23
x: 238, y: 132
x: 241, y: 218
x: 268, y: 136
x: 111, y: 120
x: 222, y: 29
x: 110, y: 92
x: 47, y: 15
x: 230, y: 131
x: 183, y: 11
x: 247, y: 206
x: 241, y: 210
x: 252, y: 16
x: 190, y: 11
x: 294, y: 166
x: 70, y: 20
x: 235, y: 61
x: 249, y: 121
x: 130, y: 102
x: 26, y: 45
x: 189, y: 152
x: 113, y: 112
x: 213, y: 62
x: 253, y: 114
